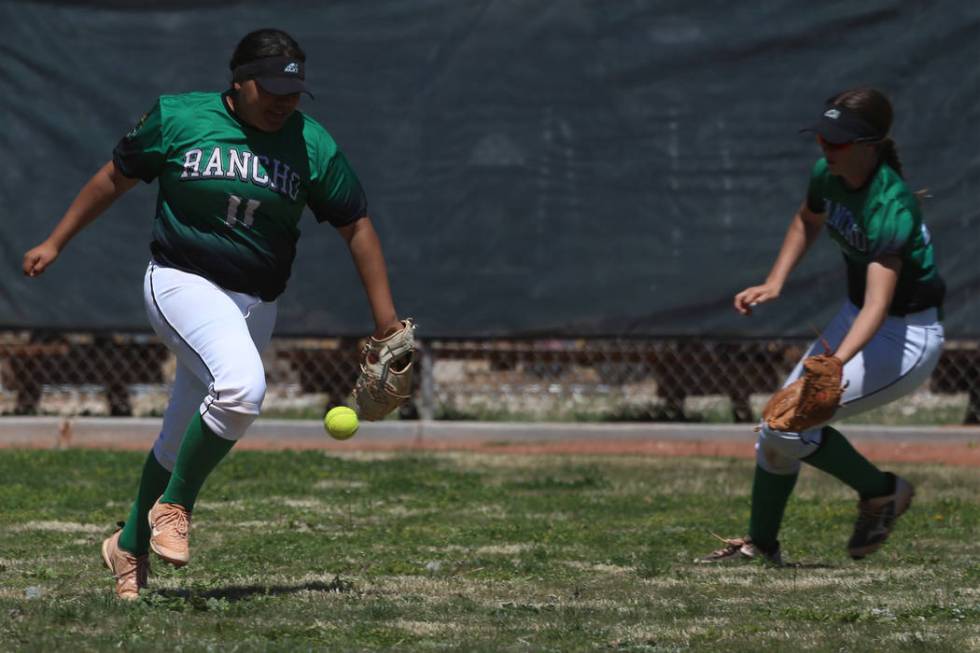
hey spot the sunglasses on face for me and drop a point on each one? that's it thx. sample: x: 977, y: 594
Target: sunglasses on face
x: 832, y: 147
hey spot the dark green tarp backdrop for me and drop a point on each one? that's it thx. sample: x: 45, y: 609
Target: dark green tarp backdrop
x: 566, y: 167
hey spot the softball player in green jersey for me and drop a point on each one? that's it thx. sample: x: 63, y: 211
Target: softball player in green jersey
x: 235, y: 171
x: 888, y: 333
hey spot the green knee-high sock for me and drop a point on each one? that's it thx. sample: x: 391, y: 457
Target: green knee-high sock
x: 200, y: 452
x: 838, y: 458
x: 135, y: 536
x: 770, y: 492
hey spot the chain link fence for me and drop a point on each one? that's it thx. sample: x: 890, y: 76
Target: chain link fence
x: 608, y: 379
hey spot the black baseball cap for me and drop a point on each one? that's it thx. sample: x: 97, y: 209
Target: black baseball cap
x: 276, y: 75
x: 839, y: 125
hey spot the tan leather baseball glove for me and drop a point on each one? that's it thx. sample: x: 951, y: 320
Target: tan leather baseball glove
x: 385, y: 382
x: 810, y: 400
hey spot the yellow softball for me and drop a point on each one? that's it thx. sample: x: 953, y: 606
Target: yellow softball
x: 341, y: 422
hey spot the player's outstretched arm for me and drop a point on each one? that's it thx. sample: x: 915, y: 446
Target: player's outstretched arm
x: 802, y: 231
x: 96, y: 196
x: 365, y: 249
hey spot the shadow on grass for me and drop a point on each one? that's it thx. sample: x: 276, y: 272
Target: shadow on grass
x: 234, y: 593
x: 806, y: 565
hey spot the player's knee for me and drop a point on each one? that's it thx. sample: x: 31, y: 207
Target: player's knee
x: 243, y: 394
x: 774, y: 462
x: 251, y: 393
x: 230, y: 419
x: 230, y: 411
x: 779, y: 452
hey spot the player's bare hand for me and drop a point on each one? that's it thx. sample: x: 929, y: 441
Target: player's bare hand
x: 38, y: 259
x: 751, y: 297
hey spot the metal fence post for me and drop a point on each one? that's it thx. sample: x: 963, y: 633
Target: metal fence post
x: 427, y: 399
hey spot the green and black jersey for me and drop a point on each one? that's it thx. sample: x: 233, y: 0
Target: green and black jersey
x: 880, y: 219
x: 231, y: 195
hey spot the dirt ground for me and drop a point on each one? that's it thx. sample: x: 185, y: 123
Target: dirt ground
x: 945, y: 453
x: 948, y: 452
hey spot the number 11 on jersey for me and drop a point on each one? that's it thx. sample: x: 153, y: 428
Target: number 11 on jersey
x: 234, y: 201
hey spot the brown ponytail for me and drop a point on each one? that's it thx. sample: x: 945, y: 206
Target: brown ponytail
x: 888, y: 153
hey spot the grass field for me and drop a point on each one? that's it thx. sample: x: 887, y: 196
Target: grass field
x: 305, y: 551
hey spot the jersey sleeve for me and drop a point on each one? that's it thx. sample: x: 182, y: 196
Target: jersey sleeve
x: 142, y: 152
x: 336, y: 195
x: 815, y: 191
x: 894, y: 226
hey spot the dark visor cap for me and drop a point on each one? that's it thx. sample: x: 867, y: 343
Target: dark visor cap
x: 839, y: 125
x: 276, y: 75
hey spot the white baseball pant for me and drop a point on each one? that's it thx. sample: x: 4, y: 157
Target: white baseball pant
x: 217, y: 336
x: 897, y: 360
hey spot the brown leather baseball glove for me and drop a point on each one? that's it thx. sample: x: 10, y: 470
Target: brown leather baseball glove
x: 810, y: 400
x: 385, y: 382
